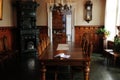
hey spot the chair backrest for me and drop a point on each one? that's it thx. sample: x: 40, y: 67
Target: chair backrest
x: 89, y: 50
x: 85, y: 41
x: 39, y: 49
x: 82, y: 40
x: 86, y: 45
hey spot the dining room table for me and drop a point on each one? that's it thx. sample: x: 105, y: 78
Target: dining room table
x: 64, y: 54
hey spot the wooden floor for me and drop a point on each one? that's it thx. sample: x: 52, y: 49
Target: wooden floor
x: 28, y: 69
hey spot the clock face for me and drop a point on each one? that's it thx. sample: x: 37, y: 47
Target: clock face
x: 88, y: 8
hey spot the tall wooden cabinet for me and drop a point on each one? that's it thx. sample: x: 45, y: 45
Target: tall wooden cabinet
x: 58, y: 27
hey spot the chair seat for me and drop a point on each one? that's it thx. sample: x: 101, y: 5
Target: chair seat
x: 111, y: 56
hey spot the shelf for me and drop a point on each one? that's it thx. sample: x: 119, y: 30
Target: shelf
x: 58, y: 29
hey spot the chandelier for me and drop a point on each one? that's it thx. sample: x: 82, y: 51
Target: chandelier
x: 63, y: 6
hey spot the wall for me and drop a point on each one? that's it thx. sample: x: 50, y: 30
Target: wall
x: 9, y: 20
x: 7, y: 17
x: 7, y: 33
x: 98, y: 12
x: 97, y: 40
x: 41, y: 13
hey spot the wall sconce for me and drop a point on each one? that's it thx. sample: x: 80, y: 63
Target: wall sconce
x: 88, y: 11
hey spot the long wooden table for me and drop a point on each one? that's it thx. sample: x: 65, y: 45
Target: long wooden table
x: 76, y: 58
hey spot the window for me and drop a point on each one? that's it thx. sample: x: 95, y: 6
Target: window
x: 111, y: 17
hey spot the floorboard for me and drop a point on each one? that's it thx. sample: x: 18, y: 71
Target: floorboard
x: 29, y: 70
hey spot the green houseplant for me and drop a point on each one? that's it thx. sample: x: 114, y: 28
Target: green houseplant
x: 103, y: 31
x: 117, y: 43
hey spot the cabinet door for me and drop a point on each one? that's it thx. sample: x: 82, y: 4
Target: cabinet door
x: 57, y: 19
x: 59, y: 26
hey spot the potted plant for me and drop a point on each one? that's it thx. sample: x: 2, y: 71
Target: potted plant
x: 103, y: 31
x: 117, y: 43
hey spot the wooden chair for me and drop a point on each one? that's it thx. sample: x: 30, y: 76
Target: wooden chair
x: 88, y: 49
x: 110, y: 55
x: 39, y: 49
x: 84, y: 41
x: 1, y: 45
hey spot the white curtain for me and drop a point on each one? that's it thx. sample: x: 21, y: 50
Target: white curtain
x: 110, y: 18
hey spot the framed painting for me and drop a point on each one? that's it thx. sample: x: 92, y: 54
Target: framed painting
x: 1, y: 7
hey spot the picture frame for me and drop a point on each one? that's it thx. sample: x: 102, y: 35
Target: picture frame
x: 1, y: 9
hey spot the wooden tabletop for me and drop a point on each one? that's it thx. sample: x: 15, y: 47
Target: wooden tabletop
x: 74, y: 51
x: 76, y: 58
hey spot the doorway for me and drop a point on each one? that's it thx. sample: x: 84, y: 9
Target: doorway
x: 69, y: 24
x: 69, y: 27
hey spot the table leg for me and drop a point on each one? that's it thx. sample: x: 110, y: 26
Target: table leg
x: 43, y: 77
x: 87, y: 71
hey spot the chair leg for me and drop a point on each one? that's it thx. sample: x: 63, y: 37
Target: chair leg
x: 55, y: 75
x: 72, y: 76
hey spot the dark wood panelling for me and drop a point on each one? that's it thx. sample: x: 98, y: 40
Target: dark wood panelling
x: 7, y: 32
x: 12, y: 35
x: 96, y: 39
x: 79, y: 30
x: 43, y: 31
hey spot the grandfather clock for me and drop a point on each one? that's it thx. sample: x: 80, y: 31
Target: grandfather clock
x: 26, y: 23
